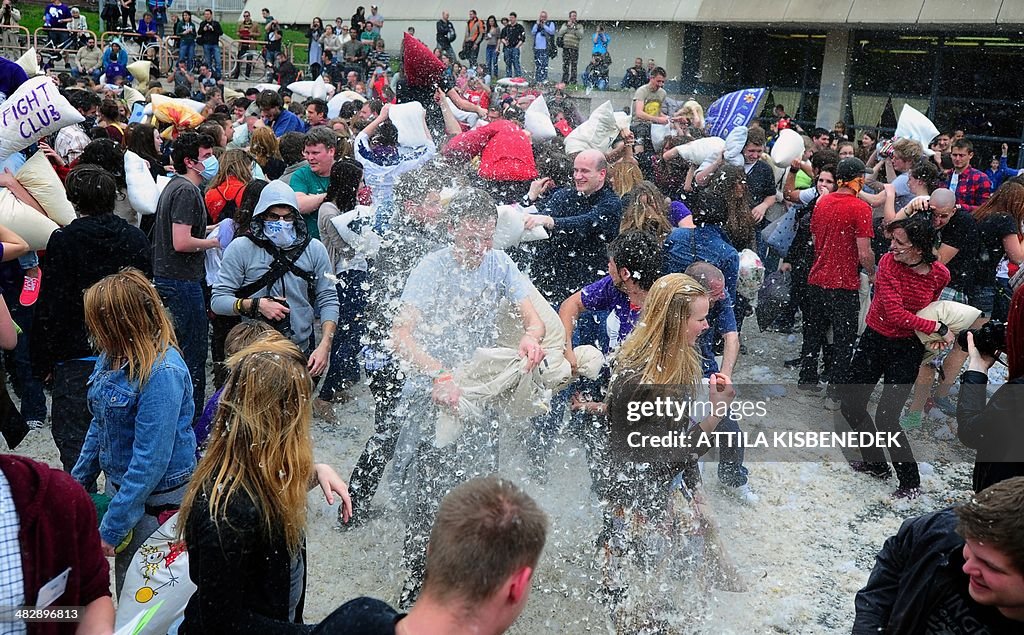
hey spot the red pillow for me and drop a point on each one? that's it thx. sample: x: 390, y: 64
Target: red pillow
x: 421, y: 66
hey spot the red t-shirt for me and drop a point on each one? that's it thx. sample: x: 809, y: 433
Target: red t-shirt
x: 900, y: 294
x: 838, y: 220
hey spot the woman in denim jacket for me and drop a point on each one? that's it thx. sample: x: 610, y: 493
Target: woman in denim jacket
x: 140, y: 396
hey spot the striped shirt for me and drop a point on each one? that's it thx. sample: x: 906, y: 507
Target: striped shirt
x: 900, y: 294
x: 12, y: 579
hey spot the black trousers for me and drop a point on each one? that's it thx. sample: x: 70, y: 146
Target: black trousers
x: 386, y: 387
x: 836, y: 308
x: 570, y: 59
x: 70, y: 414
x: 895, y: 362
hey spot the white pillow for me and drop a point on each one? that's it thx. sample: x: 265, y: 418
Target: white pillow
x: 914, y: 125
x: 700, y: 151
x: 538, y: 120
x: 409, y: 119
x: 28, y: 62
x: 751, y: 275
x: 735, y: 141
x: 25, y: 221
x: 339, y: 100
x: 316, y: 89
x: 35, y: 110
x: 131, y: 96
x: 142, y: 191
x: 623, y: 120
x: 597, y: 132
x: 659, y: 131
x: 42, y: 182
x: 788, y: 146
x: 511, y: 228
x: 140, y: 73
x: 268, y: 86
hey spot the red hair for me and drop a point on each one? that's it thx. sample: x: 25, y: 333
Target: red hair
x: 1015, y: 335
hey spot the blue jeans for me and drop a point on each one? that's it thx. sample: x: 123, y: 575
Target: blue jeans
x: 211, y: 53
x: 345, y: 358
x: 186, y: 52
x: 512, y: 67
x: 540, y: 58
x: 184, y: 300
x: 492, y: 62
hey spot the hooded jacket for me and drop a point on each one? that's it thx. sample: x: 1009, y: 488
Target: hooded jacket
x: 245, y: 261
x: 57, y: 530
x: 77, y: 256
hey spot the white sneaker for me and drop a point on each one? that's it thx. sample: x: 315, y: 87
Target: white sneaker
x: 744, y: 494
x: 35, y: 424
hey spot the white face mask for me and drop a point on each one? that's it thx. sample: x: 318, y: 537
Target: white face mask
x: 280, y: 232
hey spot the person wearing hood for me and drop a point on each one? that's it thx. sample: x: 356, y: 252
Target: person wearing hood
x: 276, y: 274
x: 179, y: 240
x: 94, y: 245
x: 115, y: 54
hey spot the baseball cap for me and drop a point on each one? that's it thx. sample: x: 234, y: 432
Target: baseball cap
x: 850, y: 168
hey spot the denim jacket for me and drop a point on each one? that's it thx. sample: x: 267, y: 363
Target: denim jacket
x: 141, y: 439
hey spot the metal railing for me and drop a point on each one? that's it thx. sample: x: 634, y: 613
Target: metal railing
x: 45, y: 41
x: 14, y: 40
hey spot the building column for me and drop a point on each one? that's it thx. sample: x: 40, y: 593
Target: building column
x: 710, y: 56
x: 674, y: 56
x: 835, y: 71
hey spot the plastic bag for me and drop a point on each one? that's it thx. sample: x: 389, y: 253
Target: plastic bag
x: 773, y: 297
x: 781, y: 232
x: 751, y: 274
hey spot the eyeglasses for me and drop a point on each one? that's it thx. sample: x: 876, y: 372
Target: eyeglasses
x: 272, y: 216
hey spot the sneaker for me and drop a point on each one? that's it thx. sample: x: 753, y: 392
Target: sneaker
x: 324, y: 410
x: 907, y: 493
x: 792, y: 363
x: 945, y: 404
x: 744, y: 494
x: 911, y: 420
x: 34, y: 424
x: 30, y: 290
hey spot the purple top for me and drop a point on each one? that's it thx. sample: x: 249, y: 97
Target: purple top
x: 677, y: 211
x: 603, y: 296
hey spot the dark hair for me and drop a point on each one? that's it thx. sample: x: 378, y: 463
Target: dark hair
x: 269, y: 99
x: 926, y: 170
x: 995, y: 516
x: 212, y: 129
x: 140, y: 141
x: 291, y: 145
x: 250, y: 198
x: 963, y: 144
x: 823, y: 157
x: 387, y: 134
x: 82, y: 100
x: 108, y: 155
x: 641, y: 254
x: 344, y: 184
x: 658, y: 72
x: 91, y: 190
x: 920, y: 234
x: 552, y: 161
x: 187, y: 146
x: 349, y: 109
x: 755, y: 136
x: 327, y: 137
x: 318, y: 105
x: 817, y: 132
x: 241, y: 102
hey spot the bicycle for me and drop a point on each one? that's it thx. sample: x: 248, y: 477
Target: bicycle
x: 253, y: 61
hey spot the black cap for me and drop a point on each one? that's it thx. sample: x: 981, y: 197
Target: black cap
x: 849, y: 169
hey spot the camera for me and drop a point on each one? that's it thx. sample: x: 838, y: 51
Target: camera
x: 283, y: 325
x: 989, y: 338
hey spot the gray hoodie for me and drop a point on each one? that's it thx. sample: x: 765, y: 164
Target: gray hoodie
x: 245, y: 262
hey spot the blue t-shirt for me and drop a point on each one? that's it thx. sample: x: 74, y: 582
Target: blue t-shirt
x: 458, y: 306
x: 603, y: 296
x: 721, y: 320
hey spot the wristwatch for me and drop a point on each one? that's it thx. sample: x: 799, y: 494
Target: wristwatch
x: 942, y: 330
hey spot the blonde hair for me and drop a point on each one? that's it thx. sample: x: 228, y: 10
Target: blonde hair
x: 128, y: 321
x: 260, y: 444
x: 647, y: 211
x: 263, y: 145
x: 694, y: 112
x: 658, y: 348
x: 624, y: 176
x: 236, y: 163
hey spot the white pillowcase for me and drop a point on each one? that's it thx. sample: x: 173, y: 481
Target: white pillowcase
x: 315, y: 89
x: 511, y: 228
x: 139, y: 71
x: 25, y: 221
x: 597, y: 132
x: 42, y: 182
x: 914, y: 125
x: 701, y: 151
x: 409, y: 120
x: 142, y: 190
x: 28, y: 62
x: 788, y: 146
x: 538, y: 120
x: 35, y: 110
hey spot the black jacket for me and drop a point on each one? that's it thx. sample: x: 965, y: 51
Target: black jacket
x: 913, y: 574
x: 78, y: 256
x: 993, y: 429
x: 243, y: 578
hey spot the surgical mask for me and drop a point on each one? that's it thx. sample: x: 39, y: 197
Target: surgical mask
x: 280, y: 232
x: 210, y: 167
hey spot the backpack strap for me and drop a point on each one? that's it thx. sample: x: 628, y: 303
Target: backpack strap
x: 284, y: 262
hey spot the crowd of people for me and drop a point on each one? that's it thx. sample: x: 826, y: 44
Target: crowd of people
x: 305, y: 245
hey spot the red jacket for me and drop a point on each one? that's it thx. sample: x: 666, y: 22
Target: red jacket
x: 506, y: 153
x: 58, y: 529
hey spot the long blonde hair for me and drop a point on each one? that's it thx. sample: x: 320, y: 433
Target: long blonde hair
x: 646, y: 211
x: 264, y: 146
x: 260, y: 444
x: 657, y: 348
x: 128, y: 322
x: 624, y: 176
